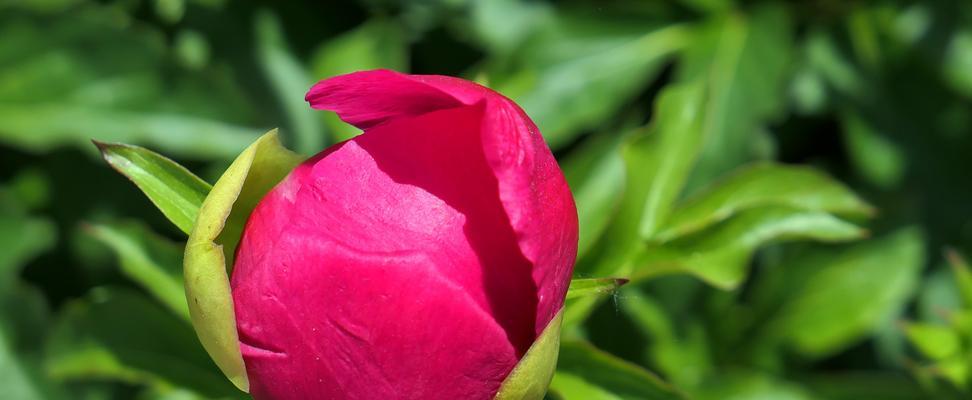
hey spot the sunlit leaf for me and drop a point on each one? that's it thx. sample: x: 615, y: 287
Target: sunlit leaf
x: 934, y: 341
x: 656, y: 161
x: 763, y: 185
x: 174, y: 190
x: 720, y: 256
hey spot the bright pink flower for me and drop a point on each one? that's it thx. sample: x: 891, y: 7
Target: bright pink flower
x: 419, y: 260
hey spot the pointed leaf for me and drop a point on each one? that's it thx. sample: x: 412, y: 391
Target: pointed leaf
x: 213, y: 240
x: 720, y: 256
x: 763, y: 185
x: 174, y: 190
x: 594, y: 287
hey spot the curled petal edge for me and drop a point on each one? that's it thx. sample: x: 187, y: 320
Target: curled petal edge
x: 212, y: 243
x: 531, y: 376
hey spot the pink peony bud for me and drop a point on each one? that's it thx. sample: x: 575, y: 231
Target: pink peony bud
x: 419, y: 260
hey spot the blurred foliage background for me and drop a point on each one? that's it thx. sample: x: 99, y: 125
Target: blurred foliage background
x: 787, y: 184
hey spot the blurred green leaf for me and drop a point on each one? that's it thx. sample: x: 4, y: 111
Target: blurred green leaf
x: 595, y: 174
x: 743, y: 385
x: 683, y: 357
x: 962, y: 273
x: 857, y: 385
x: 762, y: 185
x: 148, y: 259
x: 14, y: 379
x: 876, y: 158
x: 958, y: 62
x: 583, y: 371
x: 720, y: 256
x: 834, y: 298
x: 934, y: 341
x: 576, y: 73
x: 23, y: 238
x: 376, y: 44
x: 594, y: 287
x: 743, y: 58
x: 174, y: 190
x: 657, y: 161
x: 119, y: 335
x: 290, y: 82
x: 94, y: 75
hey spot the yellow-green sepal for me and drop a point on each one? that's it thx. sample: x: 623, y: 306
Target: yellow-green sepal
x: 212, y: 243
x: 532, y: 375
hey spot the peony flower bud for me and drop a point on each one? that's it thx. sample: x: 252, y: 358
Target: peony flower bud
x: 419, y: 260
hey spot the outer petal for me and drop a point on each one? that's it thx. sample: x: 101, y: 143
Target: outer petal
x: 386, y: 268
x: 532, y: 188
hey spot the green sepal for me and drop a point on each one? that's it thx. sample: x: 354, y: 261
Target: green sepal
x: 531, y: 377
x: 213, y: 240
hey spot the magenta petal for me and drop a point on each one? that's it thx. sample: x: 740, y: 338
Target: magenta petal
x: 532, y: 188
x: 368, y: 98
x: 419, y: 260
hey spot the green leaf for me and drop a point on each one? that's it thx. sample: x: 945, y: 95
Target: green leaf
x: 174, y: 190
x: 760, y: 185
x: 148, y: 259
x: 744, y: 60
x: 683, y: 357
x: 720, y: 256
x: 531, y: 376
x: 14, y: 378
x: 962, y: 273
x: 934, y: 341
x: 23, y: 238
x: 119, y: 335
x: 595, y: 174
x: 875, y: 157
x: 576, y: 74
x: 751, y: 385
x: 378, y: 43
x: 594, y: 287
x: 212, y: 243
x: 657, y: 162
x: 836, y: 298
x: 289, y: 80
x: 100, y: 74
x: 594, y: 371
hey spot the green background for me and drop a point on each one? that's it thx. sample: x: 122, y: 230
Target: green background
x: 787, y: 183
